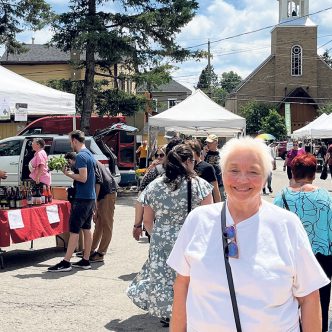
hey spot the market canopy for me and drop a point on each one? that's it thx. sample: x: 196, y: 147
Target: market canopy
x: 40, y: 99
x: 199, y: 115
x: 307, y: 129
x: 323, y: 129
x: 318, y: 128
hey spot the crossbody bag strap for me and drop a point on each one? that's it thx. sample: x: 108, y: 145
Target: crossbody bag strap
x: 284, y: 200
x: 229, y: 272
x: 189, y: 194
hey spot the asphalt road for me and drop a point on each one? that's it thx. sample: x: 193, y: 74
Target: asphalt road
x: 92, y: 300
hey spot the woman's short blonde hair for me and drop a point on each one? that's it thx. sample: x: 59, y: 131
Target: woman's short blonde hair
x: 248, y: 143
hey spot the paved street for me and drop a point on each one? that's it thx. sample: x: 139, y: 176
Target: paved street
x: 92, y: 300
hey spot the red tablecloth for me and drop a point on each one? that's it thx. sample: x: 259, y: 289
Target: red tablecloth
x: 36, y: 224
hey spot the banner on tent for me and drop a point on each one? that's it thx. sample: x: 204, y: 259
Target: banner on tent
x: 21, y: 112
x: 4, y: 108
x: 288, y: 119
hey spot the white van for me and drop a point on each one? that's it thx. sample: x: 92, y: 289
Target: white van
x: 16, y: 153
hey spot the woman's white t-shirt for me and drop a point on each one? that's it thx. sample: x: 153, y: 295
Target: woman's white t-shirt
x: 275, y: 265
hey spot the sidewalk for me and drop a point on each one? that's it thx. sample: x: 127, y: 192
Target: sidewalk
x: 93, y: 300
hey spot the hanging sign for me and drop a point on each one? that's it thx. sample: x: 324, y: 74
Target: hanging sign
x: 21, y: 112
x: 4, y: 108
x: 288, y: 119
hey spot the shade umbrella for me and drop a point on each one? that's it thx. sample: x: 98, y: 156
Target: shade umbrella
x: 266, y: 137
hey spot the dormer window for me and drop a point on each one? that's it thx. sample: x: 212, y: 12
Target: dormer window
x: 296, y: 60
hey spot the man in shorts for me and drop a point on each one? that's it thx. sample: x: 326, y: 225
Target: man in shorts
x: 83, y: 205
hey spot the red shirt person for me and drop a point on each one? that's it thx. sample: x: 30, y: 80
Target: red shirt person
x: 291, y: 154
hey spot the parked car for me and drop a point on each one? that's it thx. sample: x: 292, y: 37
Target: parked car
x: 16, y: 153
x: 120, y: 139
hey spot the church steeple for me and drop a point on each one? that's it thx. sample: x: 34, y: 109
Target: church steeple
x: 292, y: 8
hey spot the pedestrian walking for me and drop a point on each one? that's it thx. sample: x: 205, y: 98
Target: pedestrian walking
x: 83, y: 205
x: 142, y: 154
x: 204, y: 169
x: 291, y: 154
x: 245, y: 263
x: 313, y: 206
x: 328, y: 158
x: 166, y: 201
x: 213, y: 158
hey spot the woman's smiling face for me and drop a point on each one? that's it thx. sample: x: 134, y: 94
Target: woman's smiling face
x: 243, y: 176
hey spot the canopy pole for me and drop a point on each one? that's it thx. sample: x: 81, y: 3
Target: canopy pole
x: 74, y: 121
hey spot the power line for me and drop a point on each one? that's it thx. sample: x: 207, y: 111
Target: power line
x: 260, y: 29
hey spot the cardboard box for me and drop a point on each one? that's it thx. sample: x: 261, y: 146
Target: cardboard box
x: 59, y: 193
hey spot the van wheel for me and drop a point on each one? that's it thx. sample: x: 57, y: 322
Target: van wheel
x: 284, y: 155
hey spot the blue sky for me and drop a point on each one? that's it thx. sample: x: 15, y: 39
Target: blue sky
x: 218, y: 19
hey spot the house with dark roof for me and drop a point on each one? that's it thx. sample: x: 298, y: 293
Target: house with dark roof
x: 294, y: 78
x: 165, y: 95
x: 42, y: 63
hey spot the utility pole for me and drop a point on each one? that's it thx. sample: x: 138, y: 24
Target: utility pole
x: 209, y: 69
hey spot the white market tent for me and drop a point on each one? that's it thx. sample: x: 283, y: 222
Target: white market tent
x: 307, y: 130
x: 199, y: 115
x: 41, y: 100
x: 323, y: 129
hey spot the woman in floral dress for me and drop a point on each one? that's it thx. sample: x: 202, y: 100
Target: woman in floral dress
x: 165, y: 203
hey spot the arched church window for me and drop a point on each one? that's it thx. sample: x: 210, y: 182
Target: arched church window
x: 296, y: 60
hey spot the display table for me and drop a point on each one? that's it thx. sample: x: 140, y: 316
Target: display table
x: 34, y: 222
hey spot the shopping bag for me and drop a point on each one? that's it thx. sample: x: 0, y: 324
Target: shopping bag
x: 323, y: 175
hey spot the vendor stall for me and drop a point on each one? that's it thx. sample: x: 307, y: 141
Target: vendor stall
x: 34, y: 222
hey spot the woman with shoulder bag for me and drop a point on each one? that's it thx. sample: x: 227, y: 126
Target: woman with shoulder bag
x: 166, y: 201
x: 246, y: 264
x: 313, y: 205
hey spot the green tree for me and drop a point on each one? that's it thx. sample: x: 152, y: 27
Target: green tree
x: 327, y: 58
x: 219, y: 95
x: 19, y: 15
x: 325, y: 109
x: 140, y: 37
x: 254, y: 113
x: 208, y: 80
x: 230, y: 80
x: 274, y: 124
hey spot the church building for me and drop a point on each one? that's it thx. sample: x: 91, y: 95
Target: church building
x: 294, y: 76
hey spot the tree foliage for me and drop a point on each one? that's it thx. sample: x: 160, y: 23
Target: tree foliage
x: 327, y: 58
x: 208, y: 79
x: 230, y: 80
x: 262, y: 117
x: 17, y: 16
x: 218, y: 90
x: 107, y: 102
x: 274, y: 124
x: 140, y: 37
x: 325, y: 109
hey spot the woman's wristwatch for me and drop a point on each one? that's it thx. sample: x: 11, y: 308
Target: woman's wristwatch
x: 138, y: 226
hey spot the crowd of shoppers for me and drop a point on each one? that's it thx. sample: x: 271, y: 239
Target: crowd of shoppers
x: 241, y: 263
x: 277, y: 260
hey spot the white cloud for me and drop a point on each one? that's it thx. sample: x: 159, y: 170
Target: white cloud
x: 242, y: 54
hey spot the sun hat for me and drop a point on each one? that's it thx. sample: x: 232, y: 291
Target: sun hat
x: 212, y: 138
x: 170, y: 134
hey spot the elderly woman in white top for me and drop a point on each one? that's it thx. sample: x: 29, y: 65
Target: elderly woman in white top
x: 273, y: 267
